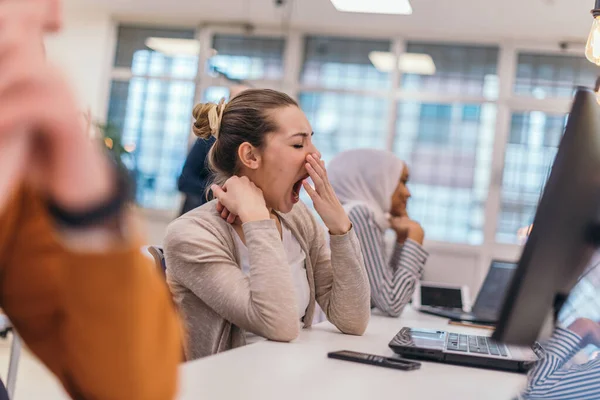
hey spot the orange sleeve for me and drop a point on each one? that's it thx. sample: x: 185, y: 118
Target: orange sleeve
x: 103, y: 323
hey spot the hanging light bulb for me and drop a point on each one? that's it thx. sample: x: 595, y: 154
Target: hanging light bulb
x: 592, y: 48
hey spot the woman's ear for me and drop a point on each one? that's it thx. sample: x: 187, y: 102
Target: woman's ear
x: 249, y: 155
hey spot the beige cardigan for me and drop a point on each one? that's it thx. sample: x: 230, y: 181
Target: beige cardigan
x: 219, y: 302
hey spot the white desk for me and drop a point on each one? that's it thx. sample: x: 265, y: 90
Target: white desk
x: 301, y: 369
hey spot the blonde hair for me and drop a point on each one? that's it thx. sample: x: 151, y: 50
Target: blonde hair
x: 208, y: 118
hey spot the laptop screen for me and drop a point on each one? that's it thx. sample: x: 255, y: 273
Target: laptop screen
x: 491, y: 296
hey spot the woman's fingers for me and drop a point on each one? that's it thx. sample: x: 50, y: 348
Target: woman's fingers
x: 217, y: 191
x: 317, y: 165
x: 317, y: 171
x: 311, y: 192
x: 317, y: 180
x: 225, y: 213
x: 221, y: 209
x: 220, y: 195
x: 323, y: 166
x: 231, y: 218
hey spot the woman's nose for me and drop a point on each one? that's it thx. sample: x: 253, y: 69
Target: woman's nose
x: 313, y: 150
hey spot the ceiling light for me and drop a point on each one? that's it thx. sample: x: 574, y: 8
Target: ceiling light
x: 414, y: 63
x: 408, y: 63
x: 382, y: 60
x: 401, y: 7
x: 174, y: 47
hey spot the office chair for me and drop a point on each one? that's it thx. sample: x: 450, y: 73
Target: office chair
x: 15, y: 354
x: 159, y: 259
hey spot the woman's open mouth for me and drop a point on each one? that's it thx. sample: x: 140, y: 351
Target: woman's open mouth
x: 296, y: 191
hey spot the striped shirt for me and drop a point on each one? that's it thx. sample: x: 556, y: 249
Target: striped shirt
x: 552, y: 378
x: 393, y: 283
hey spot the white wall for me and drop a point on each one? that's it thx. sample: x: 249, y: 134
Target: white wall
x: 84, y: 51
x: 155, y: 224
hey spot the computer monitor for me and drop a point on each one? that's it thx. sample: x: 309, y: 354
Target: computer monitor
x: 491, y: 296
x: 565, y: 228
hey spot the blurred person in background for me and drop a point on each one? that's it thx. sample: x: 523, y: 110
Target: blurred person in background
x: 196, y: 176
x: 74, y: 282
x: 372, y: 186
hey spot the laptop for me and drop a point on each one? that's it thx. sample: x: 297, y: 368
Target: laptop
x: 489, y: 300
x: 461, y: 349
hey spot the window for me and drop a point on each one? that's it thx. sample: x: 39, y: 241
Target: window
x: 331, y: 62
x: 339, y: 86
x: 448, y: 149
x: 133, y: 53
x: 546, y: 76
x: 448, y: 146
x: 152, y: 110
x: 156, y: 120
x: 534, y: 136
x: 459, y: 69
x: 530, y: 152
x: 345, y: 121
x: 214, y: 94
x: 584, y: 299
x: 248, y: 57
x: 441, y: 118
x: 434, y: 124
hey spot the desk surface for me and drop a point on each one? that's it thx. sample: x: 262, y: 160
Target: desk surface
x: 301, y: 369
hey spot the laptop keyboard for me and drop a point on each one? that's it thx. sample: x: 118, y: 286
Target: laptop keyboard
x: 475, y: 344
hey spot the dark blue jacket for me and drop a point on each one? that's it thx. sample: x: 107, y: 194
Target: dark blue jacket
x: 195, y: 175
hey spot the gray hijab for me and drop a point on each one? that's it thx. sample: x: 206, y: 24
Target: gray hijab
x: 368, y: 177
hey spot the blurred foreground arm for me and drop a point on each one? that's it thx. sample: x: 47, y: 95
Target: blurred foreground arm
x: 101, y: 320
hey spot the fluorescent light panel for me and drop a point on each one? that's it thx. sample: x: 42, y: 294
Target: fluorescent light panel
x: 174, y: 47
x: 398, y: 7
x: 383, y: 61
x: 410, y: 63
x: 414, y: 63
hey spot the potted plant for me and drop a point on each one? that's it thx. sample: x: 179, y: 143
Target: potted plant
x: 110, y: 135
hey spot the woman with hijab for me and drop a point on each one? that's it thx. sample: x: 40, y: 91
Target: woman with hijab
x: 371, y: 184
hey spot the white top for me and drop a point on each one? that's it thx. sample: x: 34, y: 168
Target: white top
x: 296, y: 259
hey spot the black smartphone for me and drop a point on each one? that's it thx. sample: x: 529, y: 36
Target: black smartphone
x: 372, y: 359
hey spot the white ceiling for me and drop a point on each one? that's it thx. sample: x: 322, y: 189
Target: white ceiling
x: 539, y: 20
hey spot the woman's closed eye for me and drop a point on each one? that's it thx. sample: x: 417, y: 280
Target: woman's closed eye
x: 298, y: 146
